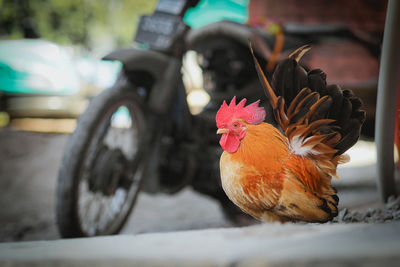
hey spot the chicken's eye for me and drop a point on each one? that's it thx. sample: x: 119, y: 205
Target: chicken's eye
x: 235, y: 124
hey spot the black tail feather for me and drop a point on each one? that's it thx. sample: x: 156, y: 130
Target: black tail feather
x: 344, y: 107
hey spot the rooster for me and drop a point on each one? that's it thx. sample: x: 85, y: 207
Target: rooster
x: 282, y: 170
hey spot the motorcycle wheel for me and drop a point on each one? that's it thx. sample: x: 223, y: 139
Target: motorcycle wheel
x: 97, y: 187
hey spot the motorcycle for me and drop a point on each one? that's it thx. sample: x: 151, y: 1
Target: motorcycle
x: 140, y: 135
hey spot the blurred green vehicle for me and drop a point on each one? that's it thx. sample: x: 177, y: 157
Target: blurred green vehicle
x: 39, y: 78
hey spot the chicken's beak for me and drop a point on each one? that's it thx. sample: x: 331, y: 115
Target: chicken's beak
x: 222, y: 131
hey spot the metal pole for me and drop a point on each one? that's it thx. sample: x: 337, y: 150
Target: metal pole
x: 388, y: 85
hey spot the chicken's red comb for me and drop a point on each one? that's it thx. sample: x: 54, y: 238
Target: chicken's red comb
x: 252, y: 114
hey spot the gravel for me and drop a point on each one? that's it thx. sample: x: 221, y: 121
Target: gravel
x: 390, y: 212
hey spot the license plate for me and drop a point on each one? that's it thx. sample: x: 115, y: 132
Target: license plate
x: 158, y: 30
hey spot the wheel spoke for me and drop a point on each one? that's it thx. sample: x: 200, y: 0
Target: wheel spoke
x: 101, y: 207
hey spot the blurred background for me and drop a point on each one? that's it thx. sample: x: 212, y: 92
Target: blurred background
x: 51, y: 51
x: 60, y: 46
x: 51, y: 67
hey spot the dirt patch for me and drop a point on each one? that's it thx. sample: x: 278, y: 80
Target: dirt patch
x: 29, y: 165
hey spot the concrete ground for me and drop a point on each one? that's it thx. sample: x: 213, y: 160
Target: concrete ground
x: 28, y: 170
x: 261, y: 245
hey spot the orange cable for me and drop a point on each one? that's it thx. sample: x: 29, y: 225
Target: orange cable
x: 279, y: 41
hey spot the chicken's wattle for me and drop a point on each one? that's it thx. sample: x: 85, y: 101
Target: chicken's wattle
x: 230, y: 142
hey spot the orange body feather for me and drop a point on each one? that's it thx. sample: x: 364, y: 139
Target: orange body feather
x: 266, y: 180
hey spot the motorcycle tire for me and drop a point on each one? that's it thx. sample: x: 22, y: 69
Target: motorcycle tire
x: 91, y: 163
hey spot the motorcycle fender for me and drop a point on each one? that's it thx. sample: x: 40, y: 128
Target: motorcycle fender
x: 164, y: 70
x: 134, y: 59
